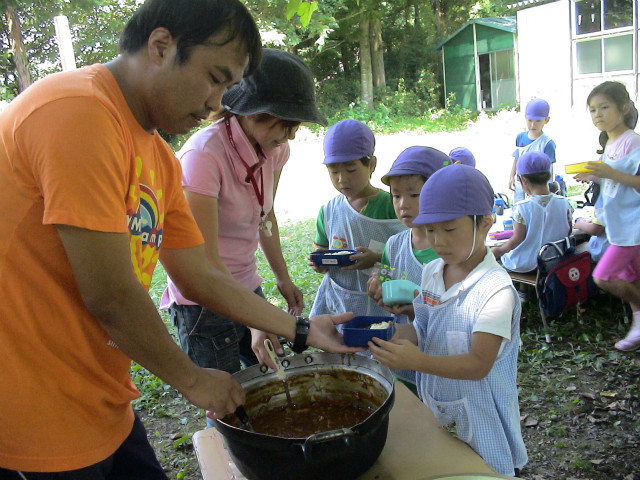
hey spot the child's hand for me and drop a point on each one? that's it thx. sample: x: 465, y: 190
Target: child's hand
x: 374, y: 289
x: 585, y: 177
x: 406, y: 309
x: 600, y: 169
x: 315, y: 267
x: 399, y: 354
x: 366, y: 258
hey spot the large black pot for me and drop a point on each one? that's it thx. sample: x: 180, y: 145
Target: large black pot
x: 335, y: 455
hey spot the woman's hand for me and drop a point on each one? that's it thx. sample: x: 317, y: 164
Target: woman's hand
x: 257, y: 345
x: 292, y: 295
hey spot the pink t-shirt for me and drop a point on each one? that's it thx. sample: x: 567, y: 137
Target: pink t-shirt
x: 211, y: 166
x: 624, y: 145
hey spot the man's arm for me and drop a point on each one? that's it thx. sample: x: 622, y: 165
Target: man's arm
x: 101, y: 264
x: 198, y: 281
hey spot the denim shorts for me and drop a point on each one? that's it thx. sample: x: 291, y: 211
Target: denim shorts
x: 211, y: 340
x: 133, y: 460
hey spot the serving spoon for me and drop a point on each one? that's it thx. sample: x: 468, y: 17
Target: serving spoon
x: 279, y: 369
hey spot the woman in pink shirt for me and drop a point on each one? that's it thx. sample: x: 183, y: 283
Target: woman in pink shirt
x: 230, y: 176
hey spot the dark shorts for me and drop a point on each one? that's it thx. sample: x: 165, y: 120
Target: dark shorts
x: 133, y: 460
x: 211, y: 340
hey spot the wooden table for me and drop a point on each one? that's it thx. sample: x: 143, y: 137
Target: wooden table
x: 417, y: 448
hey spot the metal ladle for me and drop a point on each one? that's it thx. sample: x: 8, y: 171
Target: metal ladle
x: 242, y: 414
x: 279, y: 369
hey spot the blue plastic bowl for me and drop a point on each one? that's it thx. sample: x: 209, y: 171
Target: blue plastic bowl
x: 357, y: 332
x: 333, y: 258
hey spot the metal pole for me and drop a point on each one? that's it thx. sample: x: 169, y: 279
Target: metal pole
x: 65, y: 45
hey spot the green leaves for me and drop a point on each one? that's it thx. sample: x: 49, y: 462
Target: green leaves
x: 301, y: 8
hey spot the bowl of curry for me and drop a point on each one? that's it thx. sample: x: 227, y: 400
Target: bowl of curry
x: 336, y: 427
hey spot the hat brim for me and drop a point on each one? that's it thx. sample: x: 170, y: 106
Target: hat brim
x: 398, y: 172
x: 428, y: 218
x: 236, y: 102
x: 342, y: 158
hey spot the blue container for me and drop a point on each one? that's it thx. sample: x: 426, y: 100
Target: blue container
x: 357, y: 332
x: 499, y: 204
x: 508, y: 224
x: 333, y: 258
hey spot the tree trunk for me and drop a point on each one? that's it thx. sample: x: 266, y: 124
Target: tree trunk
x: 377, y: 55
x: 438, y: 15
x: 17, y: 48
x: 366, y: 80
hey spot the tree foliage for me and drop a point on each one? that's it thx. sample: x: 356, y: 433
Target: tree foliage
x: 404, y: 68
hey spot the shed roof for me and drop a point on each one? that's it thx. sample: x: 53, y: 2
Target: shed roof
x: 507, y: 24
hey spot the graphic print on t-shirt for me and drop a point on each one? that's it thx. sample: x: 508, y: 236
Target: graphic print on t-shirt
x: 339, y: 243
x: 145, y: 219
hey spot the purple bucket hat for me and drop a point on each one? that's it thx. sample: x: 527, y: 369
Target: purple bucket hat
x: 537, y: 109
x: 348, y: 140
x: 533, y: 162
x: 417, y: 161
x: 463, y: 155
x: 454, y: 192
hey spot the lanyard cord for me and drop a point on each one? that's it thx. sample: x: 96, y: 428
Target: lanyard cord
x: 252, y: 178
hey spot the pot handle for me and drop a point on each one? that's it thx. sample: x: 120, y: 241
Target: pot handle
x: 344, y: 434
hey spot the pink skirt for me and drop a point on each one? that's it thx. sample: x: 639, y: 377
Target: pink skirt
x: 619, y: 263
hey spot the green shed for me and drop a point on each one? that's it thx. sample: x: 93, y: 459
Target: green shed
x: 479, y: 64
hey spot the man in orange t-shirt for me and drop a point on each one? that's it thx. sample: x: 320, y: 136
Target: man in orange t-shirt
x: 91, y: 199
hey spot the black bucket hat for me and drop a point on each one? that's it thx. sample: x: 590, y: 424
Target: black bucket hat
x: 283, y: 87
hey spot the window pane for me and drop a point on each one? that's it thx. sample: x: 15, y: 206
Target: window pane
x: 502, y: 65
x: 618, y: 13
x: 588, y: 16
x: 589, y: 55
x: 618, y: 53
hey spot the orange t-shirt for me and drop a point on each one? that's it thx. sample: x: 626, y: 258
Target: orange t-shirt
x: 72, y: 153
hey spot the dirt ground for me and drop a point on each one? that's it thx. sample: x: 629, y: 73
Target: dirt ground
x: 579, y: 398
x: 579, y: 402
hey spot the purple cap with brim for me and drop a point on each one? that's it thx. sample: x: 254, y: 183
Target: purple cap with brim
x: 533, y: 162
x: 537, y: 109
x: 463, y: 155
x: 454, y: 192
x: 417, y: 161
x: 348, y: 140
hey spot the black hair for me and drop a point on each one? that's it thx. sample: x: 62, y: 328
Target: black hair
x: 617, y: 93
x: 192, y: 23
x: 366, y: 160
x: 540, y: 178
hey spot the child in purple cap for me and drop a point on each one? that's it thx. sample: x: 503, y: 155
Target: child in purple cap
x: 467, y: 323
x: 618, y: 271
x: 462, y: 155
x: 361, y: 218
x: 534, y: 139
x: 407, y: 252
x: 541, y: 218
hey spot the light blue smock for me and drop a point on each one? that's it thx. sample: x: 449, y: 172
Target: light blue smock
x: 485, y: 412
